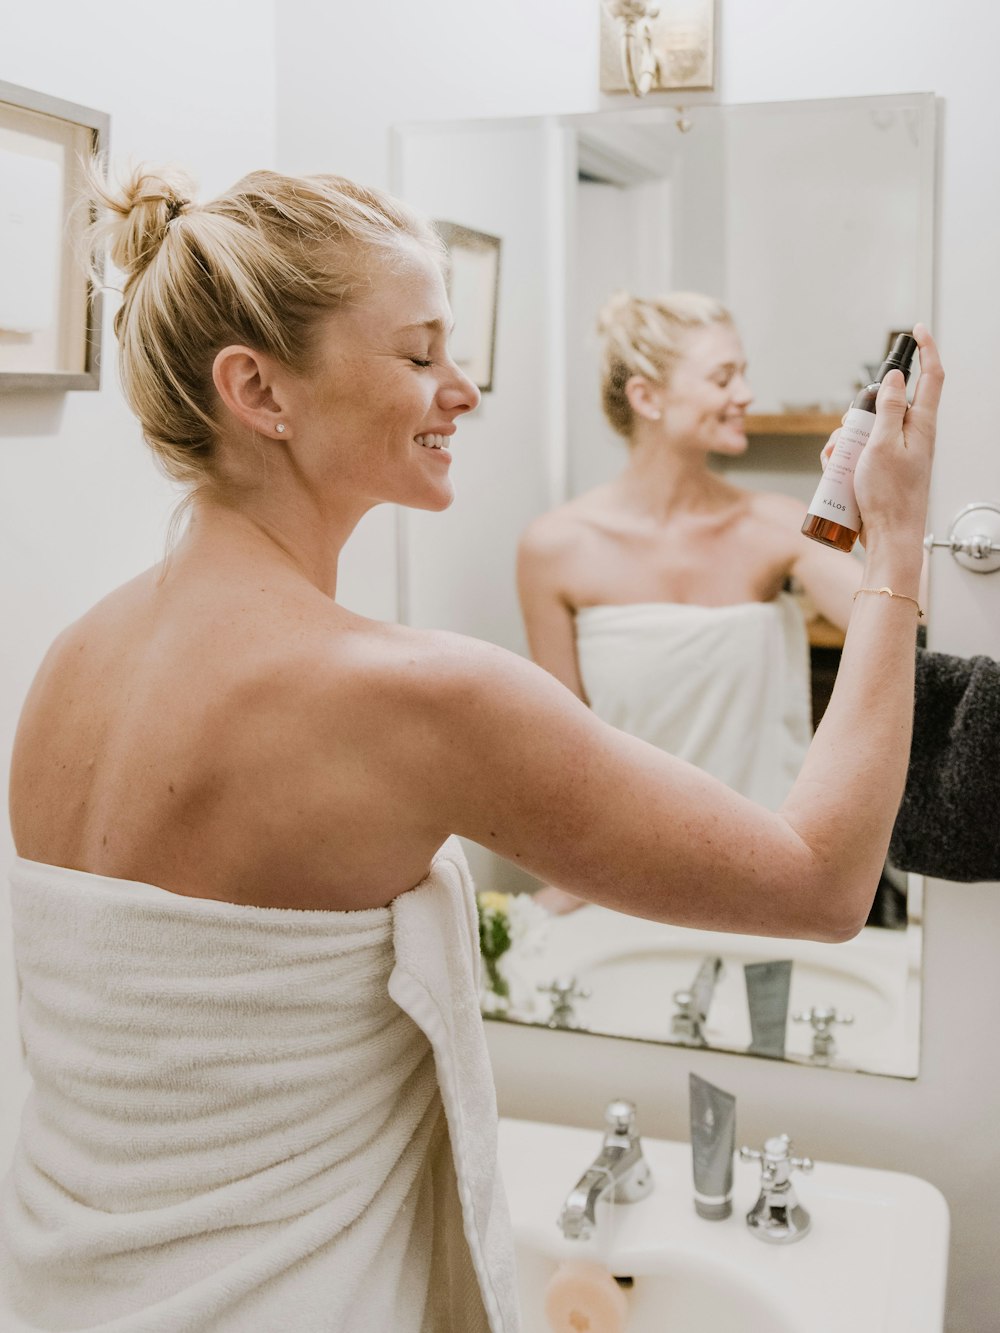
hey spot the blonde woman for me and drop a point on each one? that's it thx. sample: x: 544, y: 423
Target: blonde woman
x: 245, y: 938
x: 660, y: 597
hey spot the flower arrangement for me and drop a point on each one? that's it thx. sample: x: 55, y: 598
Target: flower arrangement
x: 511, y: 925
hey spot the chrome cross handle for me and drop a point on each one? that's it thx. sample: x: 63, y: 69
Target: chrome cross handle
x: 564, y: 991
x: 777, y: 1217
x: 822, y: 1018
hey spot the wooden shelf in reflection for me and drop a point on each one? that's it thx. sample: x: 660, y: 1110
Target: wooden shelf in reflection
x: 824, y: 635
x: 792, y: 423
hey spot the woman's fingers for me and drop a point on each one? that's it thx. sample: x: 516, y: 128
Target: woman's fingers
x: 928, y: 391
x: 890, y: 405
x: 828, y: 449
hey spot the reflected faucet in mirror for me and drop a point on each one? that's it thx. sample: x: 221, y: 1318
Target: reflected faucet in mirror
x: 688, y: 1023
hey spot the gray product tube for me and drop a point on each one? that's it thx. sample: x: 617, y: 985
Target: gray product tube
x: 768, y: 985
x: 713, y: 1142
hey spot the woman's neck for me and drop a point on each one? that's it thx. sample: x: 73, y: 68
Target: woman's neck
x: 659, y: 481
x: 297, y: 537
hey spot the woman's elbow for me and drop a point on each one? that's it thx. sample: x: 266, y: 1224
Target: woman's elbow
x: 843, y: 914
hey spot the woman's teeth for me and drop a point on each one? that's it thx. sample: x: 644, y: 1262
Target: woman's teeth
x: 432, y: 441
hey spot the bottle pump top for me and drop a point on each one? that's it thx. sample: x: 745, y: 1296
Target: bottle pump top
x: 899, y: 358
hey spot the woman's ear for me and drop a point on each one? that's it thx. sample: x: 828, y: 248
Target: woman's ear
x: 644, y: 397
x: 245, y: 381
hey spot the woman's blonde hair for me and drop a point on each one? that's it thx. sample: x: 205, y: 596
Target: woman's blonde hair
x: 647, y: 337
x: 260, y: 266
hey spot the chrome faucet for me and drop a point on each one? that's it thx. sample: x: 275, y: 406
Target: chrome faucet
x: 564, y: 991
x: 822, y: 1019
x: 694, y: 1003
x: 619, y: 1172
x: 777, y: 1216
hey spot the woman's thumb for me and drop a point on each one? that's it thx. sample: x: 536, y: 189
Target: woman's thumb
x: 891, y: 400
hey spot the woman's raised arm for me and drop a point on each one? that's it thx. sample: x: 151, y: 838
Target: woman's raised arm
x: 533, y: 775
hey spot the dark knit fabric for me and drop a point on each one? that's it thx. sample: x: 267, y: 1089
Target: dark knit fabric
x: 949, y: 822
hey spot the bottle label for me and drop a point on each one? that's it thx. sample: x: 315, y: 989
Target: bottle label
x: 834, y: 498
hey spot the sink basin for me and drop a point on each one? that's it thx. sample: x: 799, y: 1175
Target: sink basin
x: 875, y: 1260
x: 632, y: 967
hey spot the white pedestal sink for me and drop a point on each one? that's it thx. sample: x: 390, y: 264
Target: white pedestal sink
x: 875, y: 1260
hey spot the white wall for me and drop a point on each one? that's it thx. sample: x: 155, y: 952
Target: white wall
x: 83, y: 510
x: 338, y: 94
x: 82, y: 507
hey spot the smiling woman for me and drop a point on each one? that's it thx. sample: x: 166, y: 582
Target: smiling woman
x: 660, y: 598
x: 232, y: 801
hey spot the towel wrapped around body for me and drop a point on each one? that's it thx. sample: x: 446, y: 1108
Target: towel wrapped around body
x: 725, y: 687
x: 252, y: 1118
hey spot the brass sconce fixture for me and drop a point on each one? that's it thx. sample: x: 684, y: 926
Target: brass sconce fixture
x: 666, y: 46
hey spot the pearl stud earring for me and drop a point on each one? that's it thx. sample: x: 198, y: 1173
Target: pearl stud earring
x: 280, y: 428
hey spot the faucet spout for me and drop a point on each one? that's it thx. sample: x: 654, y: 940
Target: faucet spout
x: 618, y: 1172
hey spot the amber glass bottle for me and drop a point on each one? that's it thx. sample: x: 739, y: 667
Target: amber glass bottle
x: 833, y: 517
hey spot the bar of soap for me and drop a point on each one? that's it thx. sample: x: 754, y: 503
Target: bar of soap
x: 583, y: 1297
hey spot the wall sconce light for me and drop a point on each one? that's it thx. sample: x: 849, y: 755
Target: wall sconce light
x: 657, y: 46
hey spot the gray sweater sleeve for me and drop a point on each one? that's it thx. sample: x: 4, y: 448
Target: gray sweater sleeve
x: 949, y: 821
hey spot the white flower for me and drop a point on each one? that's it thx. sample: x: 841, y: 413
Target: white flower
x: 528, y: 924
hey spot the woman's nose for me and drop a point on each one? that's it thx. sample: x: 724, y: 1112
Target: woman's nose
x: 459, y: 394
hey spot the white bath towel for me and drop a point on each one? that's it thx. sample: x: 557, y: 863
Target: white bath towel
x: 251, y: 1118
x: 724, y: 687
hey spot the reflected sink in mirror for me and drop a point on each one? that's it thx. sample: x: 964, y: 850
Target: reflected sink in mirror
x: 630, y: 970
x: 875, y: 1260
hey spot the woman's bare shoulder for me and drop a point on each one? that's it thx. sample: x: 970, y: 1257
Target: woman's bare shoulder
x: 560, y: 531
x: 775, y: 507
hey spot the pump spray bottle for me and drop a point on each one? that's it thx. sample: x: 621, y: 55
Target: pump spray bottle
x: 833, y: 517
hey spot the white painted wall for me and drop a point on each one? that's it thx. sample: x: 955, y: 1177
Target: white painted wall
x: 639, y: 217
x: 82, y: 507
x: 338, y: 95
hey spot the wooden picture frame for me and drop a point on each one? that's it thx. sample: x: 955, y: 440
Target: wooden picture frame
x: 473, y: 290
x: 50, y: 315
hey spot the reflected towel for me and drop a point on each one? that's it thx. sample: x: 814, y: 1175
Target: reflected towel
x: 724, y: 687
x: 251, y: 1118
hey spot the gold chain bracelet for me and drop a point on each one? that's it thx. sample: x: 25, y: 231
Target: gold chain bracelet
x: 889, y: 593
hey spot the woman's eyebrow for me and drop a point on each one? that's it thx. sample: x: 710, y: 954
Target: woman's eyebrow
x: 437, y: 325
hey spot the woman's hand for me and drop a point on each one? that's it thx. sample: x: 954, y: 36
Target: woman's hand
x: 892, y: 478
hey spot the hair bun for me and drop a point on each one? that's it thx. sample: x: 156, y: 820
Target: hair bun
x: 617, y: 305
x: 139, y: 211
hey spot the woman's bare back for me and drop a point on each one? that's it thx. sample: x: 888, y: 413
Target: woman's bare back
x: 227, y: 734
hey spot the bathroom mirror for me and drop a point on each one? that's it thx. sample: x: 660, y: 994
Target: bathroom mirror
x: 813, y: 223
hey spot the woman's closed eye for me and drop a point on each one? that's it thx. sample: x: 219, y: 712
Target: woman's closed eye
x: 421, y: 361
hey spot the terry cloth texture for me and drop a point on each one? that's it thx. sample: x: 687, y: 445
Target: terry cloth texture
x: 949, y: 821
x: 247, y: 1119
x: 725, y: 687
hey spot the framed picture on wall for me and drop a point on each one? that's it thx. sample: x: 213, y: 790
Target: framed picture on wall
x: 473, y: 288
x: 50, y: 318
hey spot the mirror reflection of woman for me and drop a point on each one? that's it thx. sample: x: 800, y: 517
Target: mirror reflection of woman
x: 660, y: 598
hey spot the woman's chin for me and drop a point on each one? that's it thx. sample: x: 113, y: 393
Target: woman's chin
x: 732, y: 446
x: 434, y: 502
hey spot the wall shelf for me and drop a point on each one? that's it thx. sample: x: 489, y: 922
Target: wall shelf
x: 824, y: 635
x: 792, y: 423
